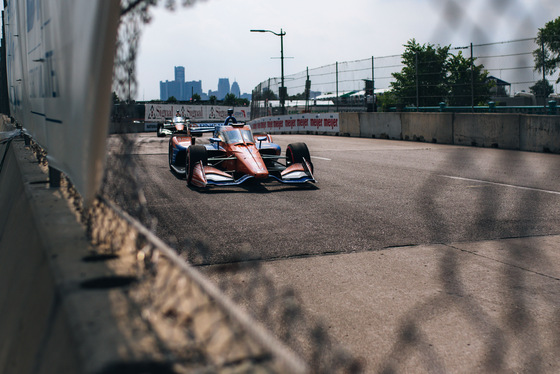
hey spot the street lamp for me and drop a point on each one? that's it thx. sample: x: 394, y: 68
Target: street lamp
x: 282, y: 91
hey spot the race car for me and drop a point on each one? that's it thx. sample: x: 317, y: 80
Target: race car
x: 234, y: 155
x: 182, y: 125
x: 170, y: 126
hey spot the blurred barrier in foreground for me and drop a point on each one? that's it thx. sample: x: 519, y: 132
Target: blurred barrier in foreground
x: 114, y: 300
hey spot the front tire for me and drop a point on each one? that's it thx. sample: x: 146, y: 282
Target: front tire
x: 170, y: 154
x: 159, y: 131
x: 195, y: 154
x: 296, y: 152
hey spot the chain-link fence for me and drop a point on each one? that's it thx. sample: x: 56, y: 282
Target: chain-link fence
x: 274, y: 307
x: 340, y: 86
x: 348, y: 86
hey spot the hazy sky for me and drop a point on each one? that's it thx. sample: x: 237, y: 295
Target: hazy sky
x: 211, y: 39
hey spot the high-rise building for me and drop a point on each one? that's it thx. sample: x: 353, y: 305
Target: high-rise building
x: 223, y: 88
x: 179, y: 74
x: 178, y: 88
x: 191, y: 88
x: 163, y: 94
x: 235, y: 89
x: 184, y: 90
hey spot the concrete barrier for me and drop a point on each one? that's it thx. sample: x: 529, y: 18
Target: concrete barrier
x: 36, y: 330
x: 539, y: 133
x: 429, y: 127
x: 487, y: 130
x: 349, y: 124
x: 379, y: 125
x: 536, y: 133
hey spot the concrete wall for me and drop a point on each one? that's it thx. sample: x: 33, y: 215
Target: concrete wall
x: 539, y: 133
x: 349, y: 124
x: 536, y: 133
x: 428, y: 127
x: 487, y: 130
x: 380, y: 125
x: 36, y: 330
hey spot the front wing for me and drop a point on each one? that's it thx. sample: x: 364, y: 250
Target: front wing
x: 206, y: 175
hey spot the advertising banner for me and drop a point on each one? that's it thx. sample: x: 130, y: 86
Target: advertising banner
x: 59, y: 63
x: 315, y: 122
x: 158, y: 112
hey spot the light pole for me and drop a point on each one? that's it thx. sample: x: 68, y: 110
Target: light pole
x: 282, y: 92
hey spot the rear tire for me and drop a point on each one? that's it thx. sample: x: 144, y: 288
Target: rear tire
x: 296, y: 152
x: 195, y: 154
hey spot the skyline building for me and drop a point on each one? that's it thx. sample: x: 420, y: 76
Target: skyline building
x: 223, y: 88
x: 179, y: 73
x: 184, y: 90
x: 235, y: 89
x: 178, y: 88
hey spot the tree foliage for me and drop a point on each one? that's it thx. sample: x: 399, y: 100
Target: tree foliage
x: 386, y: 100
x: 424, y: 75
x: 431, y: 75
x: 549, y: 38
x: 230, y: 99
x: 467, y: 81
x: 541, y: 88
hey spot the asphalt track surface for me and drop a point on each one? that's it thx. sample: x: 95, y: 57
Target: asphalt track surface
x: 371, y: 195
x: 417, y: 257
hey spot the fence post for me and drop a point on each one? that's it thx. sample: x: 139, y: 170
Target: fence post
x: 373, y: 85
x: 417, y: 94
x: 373, y: 75
x: 472, y: 79
x: 337, y: 86
x: 543, y: 70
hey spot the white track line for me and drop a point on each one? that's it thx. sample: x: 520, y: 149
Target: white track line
x: 502, y: 184
x: 321, y: 158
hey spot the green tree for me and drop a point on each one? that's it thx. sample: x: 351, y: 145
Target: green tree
x: 549, y: 37
x: 213, y: 99
x: 230, y: 99
x: 464, y: 79
x: 171, y: 99
x: 242, y: 102
x: 542, y: 88
x: 386, y: 100
x: 196, y: 98
x: 425, y: 69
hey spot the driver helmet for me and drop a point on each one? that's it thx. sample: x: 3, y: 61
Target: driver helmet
x: 230, y: 111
